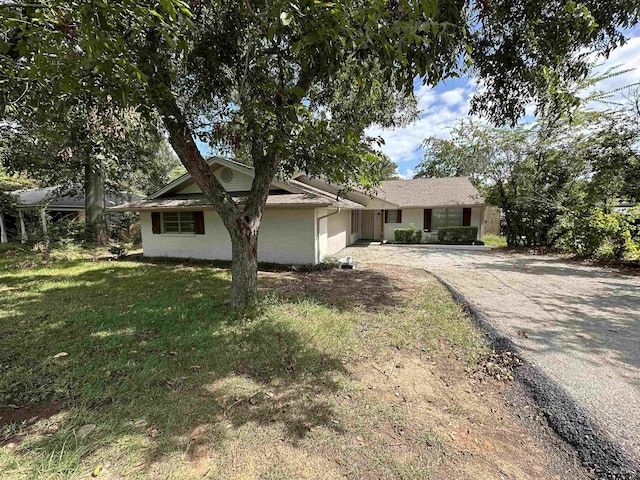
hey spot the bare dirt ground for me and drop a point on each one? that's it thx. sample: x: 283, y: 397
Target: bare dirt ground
x: 422, y: 408
x: 579, y: 323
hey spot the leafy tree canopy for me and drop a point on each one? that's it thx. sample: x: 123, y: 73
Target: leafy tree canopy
x: 539, y: 172
x: 293, y: 85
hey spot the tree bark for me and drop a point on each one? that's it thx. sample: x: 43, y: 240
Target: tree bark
x: 24, y: 238
x: 3, y: 229
x: 244, y: 267
x: 43, y: 224
x: 96, y: 221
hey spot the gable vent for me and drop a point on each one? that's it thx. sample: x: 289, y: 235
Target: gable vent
x: 226, y: 175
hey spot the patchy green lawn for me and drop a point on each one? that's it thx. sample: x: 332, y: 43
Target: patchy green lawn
x: 129, y: 369
x: 495, y: 240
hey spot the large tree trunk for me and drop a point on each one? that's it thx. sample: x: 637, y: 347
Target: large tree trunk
x: 96, y: 220
x: 244, y: 267
x: 241, y: 223
x: 3, y: 230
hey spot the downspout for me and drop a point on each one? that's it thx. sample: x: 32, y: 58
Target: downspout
x: 318, y: 229
x: 328, y: 215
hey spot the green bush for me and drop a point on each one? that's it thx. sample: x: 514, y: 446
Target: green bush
x: 65, y: 230
x: 596, y: 233
x: 407, y: 235
x: 457, y: 235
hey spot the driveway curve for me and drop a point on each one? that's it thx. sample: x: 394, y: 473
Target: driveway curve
x: 579, y: 324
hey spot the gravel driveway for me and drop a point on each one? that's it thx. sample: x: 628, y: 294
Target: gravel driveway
x: 580, y: 324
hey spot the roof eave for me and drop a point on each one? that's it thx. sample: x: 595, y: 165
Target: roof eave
x: 448, y: 205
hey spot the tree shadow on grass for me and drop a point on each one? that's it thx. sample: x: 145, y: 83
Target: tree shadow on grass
x: 153, y: 352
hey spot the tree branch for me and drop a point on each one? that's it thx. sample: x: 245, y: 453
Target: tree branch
x: 180, y: 135
x: 20, y: 5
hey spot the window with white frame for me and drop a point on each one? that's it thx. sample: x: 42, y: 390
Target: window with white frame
x: 178, y: 222
x: 446, y: 217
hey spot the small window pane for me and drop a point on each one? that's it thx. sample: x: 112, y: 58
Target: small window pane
x: 187, y: 222
x: 392, y: 216
x: 171, y: 227
x: 187, y: 227
x: 438, y: 218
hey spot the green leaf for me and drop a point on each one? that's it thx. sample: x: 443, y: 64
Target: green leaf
x: 285, y: 18
x: 168, y: 7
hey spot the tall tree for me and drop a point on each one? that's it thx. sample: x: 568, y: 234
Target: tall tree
x: 265, y: 77
x: 91, y: 149
x: 536, y: 173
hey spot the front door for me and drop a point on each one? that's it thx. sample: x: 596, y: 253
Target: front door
x: 368, y: 225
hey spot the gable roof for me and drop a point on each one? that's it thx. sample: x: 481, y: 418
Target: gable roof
x: 430, y: 192
x: 225, y: 162
x: 306, y: 191
x: 285, y: 193
x: 360, y: 197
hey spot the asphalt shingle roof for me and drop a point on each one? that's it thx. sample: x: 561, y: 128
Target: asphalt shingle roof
x: 430, y: 192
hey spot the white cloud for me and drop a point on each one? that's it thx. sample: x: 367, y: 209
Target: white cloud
x: 455, y: 96
x: 626, y: 57
x: 438, y: 112
x: 409, y: 173
x: 426, y: 97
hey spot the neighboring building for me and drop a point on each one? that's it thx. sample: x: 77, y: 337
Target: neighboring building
x: 304, y: 219
x: 45, y: 206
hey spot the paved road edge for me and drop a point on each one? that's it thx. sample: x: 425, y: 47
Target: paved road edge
x: 566, y: 416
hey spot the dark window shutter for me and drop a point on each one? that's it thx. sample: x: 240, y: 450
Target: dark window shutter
x: 386, y: 217
x: 399, y: 216
x: 199, y: 222
x: 466, y: 217
x: 427, y: 219
x: 156, y: 226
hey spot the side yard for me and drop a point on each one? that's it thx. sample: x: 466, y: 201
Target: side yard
x: 125, y: 369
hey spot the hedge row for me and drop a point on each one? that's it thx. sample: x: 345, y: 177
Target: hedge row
x: 407, y: 235
x: 458, y: 235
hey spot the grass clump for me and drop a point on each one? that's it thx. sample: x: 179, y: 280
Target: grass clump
x: 495, y: 240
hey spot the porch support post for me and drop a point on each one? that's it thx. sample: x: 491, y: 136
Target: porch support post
x: 23, y: 228
x: 382, y: 212
x: 43, y: 221
x: 3, y: 229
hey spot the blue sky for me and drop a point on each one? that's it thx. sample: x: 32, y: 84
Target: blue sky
x: 447, y: 103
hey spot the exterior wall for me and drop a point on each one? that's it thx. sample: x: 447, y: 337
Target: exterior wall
x: 338, y: 231
x: 357, y: 235
x: 409, y: 215
x: 322, y: 228
x: 286, y: 236
x: 477, y: 220
x: 334, y: 231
